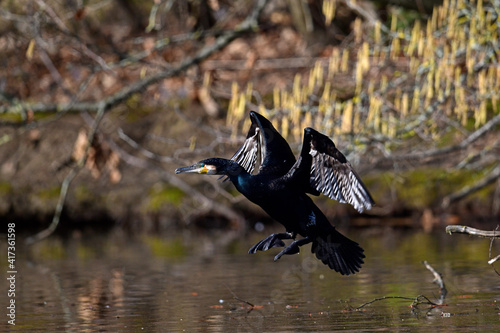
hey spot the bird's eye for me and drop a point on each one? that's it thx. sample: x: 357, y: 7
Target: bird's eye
x: 202, y: 165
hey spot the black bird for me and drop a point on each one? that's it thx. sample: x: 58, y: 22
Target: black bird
x: 280, y: 188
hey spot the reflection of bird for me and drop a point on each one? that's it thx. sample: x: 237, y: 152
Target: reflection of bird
x: 281, y: 185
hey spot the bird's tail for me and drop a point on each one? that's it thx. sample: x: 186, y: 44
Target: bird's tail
x: 338, y: 252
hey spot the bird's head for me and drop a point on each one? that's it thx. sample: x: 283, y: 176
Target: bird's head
x: 212, y: 166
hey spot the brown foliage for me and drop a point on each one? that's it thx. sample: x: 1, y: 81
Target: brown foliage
x: 99, y: 157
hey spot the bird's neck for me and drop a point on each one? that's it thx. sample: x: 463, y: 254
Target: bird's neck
x: 234, y: 171
x: 238, y: 176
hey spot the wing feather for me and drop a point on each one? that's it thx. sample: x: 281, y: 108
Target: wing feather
x: 247, y: 155
x: 264, y: 146
x: 331, y: 173
x: 338, y: 180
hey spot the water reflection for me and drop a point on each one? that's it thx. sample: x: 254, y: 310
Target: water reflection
x: 116, y: 283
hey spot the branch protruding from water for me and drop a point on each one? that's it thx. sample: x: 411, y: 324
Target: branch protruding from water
x: 438, y: 279
x: 420, y: 299
x: 462, y: 229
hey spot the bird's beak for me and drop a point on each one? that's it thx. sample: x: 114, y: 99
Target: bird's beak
x: 195, y: 168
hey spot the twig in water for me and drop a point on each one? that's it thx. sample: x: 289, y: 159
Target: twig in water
x: 252, y: 306
x: 239, y: 299
x: 381, y: 299
x: 492, y: 260
x: 420, y: 299
x: 438, y: 279
x: 461, y: 229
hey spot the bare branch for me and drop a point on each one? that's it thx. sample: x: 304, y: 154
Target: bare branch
x: 50, y: 11
x: 438, y: 279
x: 204, y: 201
x: 52, y: 69
x: 147, y: 153
x: 490, y: 125
x: 102, y: 106
x: 67, y: 181
x: 249, y: 24
x: 466, y: 191
x: 420, y: 299
x: 461, y: 229
x: 491, y: 261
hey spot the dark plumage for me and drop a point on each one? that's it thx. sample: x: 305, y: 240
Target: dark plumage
x: 280, y: 188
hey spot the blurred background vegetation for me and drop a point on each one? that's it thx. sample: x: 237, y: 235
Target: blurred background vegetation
x: 101, y: 100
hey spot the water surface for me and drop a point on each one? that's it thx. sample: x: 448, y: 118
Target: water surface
x: 112, y: 282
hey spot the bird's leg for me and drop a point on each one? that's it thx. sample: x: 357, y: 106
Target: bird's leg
x: 293, y: 248
x: 270, y: 241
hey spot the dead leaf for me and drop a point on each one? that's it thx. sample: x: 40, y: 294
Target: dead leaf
x: 100, y: 157
x: 206, y: 100
x: 31, y: 48
x: 80, y: 144
x: 80, y: 13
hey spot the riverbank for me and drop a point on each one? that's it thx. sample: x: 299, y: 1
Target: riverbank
x: 143, y: 199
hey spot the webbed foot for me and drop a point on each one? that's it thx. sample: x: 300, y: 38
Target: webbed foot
x: 293, y: 248
x: 273, y: 240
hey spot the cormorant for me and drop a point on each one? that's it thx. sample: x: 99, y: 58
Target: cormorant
x: 280, y: 188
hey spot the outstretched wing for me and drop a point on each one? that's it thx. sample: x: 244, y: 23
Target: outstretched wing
x: 333, y: 175
x: 266, y: 147
x: 247, y: 155
x: 330, y: 172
